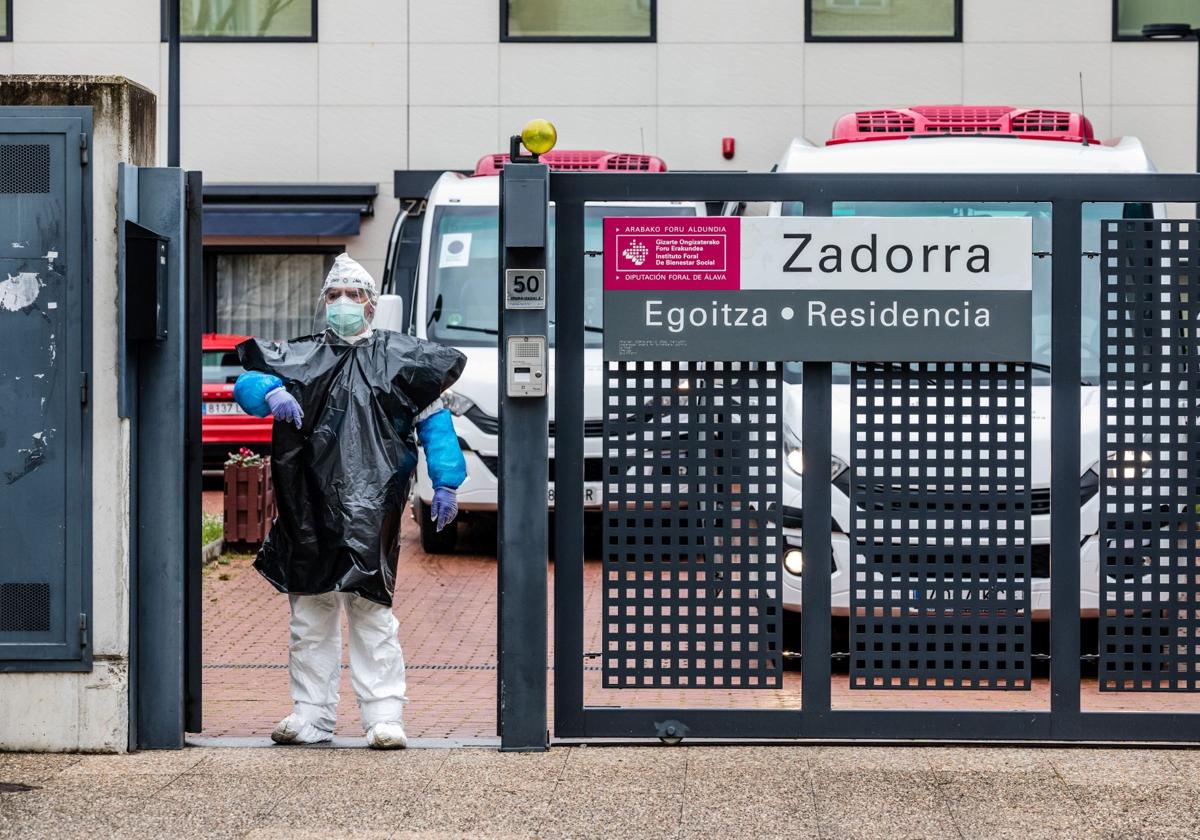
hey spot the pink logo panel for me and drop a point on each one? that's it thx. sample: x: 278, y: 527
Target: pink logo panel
x: 672, y: 254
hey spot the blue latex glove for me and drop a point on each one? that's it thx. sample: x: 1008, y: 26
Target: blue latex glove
x: 444, y: 507
x: 443, y: 454
x: 284, y: 407
x: 251, y: 389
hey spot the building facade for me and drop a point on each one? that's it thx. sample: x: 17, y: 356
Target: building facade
x: 332, y: 96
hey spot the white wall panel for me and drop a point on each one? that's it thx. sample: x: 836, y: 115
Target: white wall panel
x: 361, y: 143
x: 137, y: 62
x: 358, y: 21
x: 454, y: 21
x: 363, y: 74
x: 6, y: 57
x: 692, y: 21
x: 1037, y: 20
x: 1154, y: 73
x: 690, y: 137
x: 902, y: 74
x: 250, y: 142
x: 452, y: 138
x: 103, y: 21
x: 730, y: 74
x: 247, y: 74
x: 1167, y: 131
x: 577, y: 74
x: 1029, y: 74
x: 455, y: 74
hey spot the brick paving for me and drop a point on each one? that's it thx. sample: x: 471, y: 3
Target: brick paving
x: 446, y: 605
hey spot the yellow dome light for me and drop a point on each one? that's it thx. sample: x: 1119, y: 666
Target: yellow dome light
x: 539, y: 136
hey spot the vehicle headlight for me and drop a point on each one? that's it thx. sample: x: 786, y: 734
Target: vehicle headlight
x: 793, y: 454
x: 666, y: 401
x: 1129, y: 463
x: 793, y: 561
x: 457, y: 403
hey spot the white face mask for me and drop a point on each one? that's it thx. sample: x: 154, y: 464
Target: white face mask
x: 346, y: 317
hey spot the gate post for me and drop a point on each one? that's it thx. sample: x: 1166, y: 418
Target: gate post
x: 524, y: 417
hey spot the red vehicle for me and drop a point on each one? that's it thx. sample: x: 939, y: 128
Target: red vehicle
x: 225, y: 427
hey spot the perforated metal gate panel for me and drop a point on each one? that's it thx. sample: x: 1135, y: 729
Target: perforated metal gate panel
x: 1150, y: 482
x: 692, y: 525
x: 940, y: 587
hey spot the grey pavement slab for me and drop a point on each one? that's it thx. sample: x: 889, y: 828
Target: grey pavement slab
x: 625, y: 792
x: 870, y: 803
x: 33, y: 767
x: 983, y: 804
x: 1146, y: 808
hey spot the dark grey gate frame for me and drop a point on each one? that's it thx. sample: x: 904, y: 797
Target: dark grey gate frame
x: 1065, y: 721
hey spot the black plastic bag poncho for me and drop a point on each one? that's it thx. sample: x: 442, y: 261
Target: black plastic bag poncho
x: 341, y: 481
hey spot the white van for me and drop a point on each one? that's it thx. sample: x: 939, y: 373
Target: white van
x: 947, y: 139
x: 455, y: 302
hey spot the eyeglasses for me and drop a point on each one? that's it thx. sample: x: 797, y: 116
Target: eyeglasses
x: 356, y: 295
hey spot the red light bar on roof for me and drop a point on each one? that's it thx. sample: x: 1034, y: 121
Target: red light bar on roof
x: 1003, y: 120
x: 580, y: 161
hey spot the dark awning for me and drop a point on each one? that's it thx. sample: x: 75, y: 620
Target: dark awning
x: 286, y: 209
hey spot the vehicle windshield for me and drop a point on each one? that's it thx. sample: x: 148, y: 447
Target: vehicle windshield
x: 464, y: 263
x: 1093, y: 213
x: 220, y: 367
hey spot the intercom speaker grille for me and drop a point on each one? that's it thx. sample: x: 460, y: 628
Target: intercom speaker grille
x: 24, y: 607
x: 25, y: 168
x: 528, y: 350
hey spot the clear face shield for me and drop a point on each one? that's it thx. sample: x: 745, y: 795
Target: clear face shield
x: 347, y: 310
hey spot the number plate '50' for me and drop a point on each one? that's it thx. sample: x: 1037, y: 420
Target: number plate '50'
x: 525, y: 288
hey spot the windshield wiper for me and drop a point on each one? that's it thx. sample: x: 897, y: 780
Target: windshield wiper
x: 466, y: 328
x: 436, y: 314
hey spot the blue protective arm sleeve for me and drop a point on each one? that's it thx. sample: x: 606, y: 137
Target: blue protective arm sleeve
x: 442, y: 453
x: 251, y: 391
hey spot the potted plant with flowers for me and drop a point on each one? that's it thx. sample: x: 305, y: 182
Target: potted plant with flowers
x: 249, y: 497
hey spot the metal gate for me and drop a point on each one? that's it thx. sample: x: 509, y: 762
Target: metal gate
x: 691, y: 546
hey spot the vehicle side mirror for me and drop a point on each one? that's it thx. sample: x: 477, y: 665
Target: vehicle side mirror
x: 389, y: 313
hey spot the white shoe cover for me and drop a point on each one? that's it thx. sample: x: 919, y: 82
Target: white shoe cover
x: 387, y: 736
x: 294, y: 729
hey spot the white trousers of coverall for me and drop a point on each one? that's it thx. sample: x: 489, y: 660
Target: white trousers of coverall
x: 315, y: 655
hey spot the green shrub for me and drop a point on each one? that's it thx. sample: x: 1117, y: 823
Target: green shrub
x: 211, y: 528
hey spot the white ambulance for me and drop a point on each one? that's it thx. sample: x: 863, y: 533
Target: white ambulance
x: 948, y: 139
x: 454, y: 301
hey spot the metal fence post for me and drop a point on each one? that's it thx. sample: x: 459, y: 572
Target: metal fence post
x: 1065, y: 416
x: 522, y: 528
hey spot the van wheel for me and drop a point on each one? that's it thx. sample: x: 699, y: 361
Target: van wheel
x: 434, y: 541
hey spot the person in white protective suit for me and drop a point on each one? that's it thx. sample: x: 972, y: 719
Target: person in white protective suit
x: 348, y: 403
